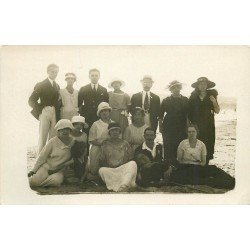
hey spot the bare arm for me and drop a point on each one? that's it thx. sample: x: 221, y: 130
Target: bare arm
x: 215, y: 104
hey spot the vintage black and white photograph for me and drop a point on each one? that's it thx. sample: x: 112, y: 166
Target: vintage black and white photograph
x: 128, y: 119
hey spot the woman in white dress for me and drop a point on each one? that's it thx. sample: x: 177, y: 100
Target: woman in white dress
x: 97, y: 134
x: 69, y: 98
x: 120, y: 103
x: 118, y: 170
x: 134, y: 133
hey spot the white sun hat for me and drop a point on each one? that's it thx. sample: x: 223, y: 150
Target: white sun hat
x: 103, y: 106
x: 63, y: 123
x: 116, y: 80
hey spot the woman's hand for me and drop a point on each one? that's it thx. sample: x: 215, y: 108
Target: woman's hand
x: 215, y: 104
x: 31, y: 173
x: 212, y: 99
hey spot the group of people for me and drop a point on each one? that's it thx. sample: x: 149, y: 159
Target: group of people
x: 91, y: 138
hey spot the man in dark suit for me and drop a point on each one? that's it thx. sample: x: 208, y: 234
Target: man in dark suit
x: 148, y: 101
x: 90, y: 96
x: 44, y: 102
x: 149, y: 159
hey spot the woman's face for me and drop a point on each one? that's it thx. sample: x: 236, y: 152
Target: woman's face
x: 115, y: 133
x: 70, y: 81
x: 202, y: 86
x: 176, y: 90
x: 192, y: 133
x: 64, y: 133
x: 138, y: 117
x: 116, y: 85
x: 78, y: 126
x: 104, y: 114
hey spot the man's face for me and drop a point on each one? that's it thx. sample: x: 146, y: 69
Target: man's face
x: 147, y: 84
x: 52, y: 72
x: 94, y: 77
x: 149, y: 136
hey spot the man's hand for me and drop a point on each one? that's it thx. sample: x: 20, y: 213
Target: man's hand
x: 31, y: 173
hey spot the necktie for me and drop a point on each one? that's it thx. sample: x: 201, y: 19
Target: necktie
x: 54, y: 86
x: 146, y: 102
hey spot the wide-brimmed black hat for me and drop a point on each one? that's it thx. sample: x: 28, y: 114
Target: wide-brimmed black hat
x: 203, y: 79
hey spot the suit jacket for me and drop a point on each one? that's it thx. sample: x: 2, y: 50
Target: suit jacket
x: 47, y: 96
x: 159, y: 153
x: 88, y: 101
x: 154, y: 109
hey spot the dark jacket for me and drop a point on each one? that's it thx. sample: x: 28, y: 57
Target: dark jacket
x: 47, y: 96
x: 91, y: 101
x: 154, y: 109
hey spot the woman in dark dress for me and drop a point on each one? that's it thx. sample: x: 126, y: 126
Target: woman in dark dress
x: 202, y: 106
x: 173, y: 121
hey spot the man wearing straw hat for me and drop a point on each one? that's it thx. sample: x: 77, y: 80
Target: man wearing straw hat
x: 149, y: 101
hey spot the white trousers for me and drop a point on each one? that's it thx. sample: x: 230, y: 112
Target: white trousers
x: 42, y: 179
x: 46, y: 127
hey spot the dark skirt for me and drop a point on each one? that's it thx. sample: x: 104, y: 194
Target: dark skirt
x: 202, y: 175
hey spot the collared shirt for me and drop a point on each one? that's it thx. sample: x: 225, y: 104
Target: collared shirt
x: 152, y: 151
x: 94, y: 85
x: 144, y: 95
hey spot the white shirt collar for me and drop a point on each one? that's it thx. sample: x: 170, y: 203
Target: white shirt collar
x: 153, y: 151
x: 51, y: 81
x: 94, y: 85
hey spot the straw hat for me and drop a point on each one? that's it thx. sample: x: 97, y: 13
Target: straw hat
x: 103, y: 106
x: 174, y: 83
x: 203, y: 79
x: 147, y: 77
x: 116, y: 80
x: 63, y: 123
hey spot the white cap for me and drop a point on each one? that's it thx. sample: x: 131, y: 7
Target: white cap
x: 78, y: 118
x: 103, y: 106
x: 63, y: 123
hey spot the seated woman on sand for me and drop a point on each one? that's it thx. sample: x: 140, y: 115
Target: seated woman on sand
x: 54, y: 158
x: 192, y: 168
x: 134, y: 133
x: 97, y: 134
x: 117, y: 171
x: 77, y: 171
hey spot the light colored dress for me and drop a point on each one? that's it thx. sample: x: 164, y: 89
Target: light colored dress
x: 119, y: 102
x: 69, y: 104
x: 54, y: 154
x: 118, y: 170
x: 98, y: 131
x: 192, y: 155
x: 134, y: 135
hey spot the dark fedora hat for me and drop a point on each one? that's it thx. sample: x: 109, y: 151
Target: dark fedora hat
x: 203, y: 79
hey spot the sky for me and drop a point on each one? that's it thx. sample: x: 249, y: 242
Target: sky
x: 23, y: 66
